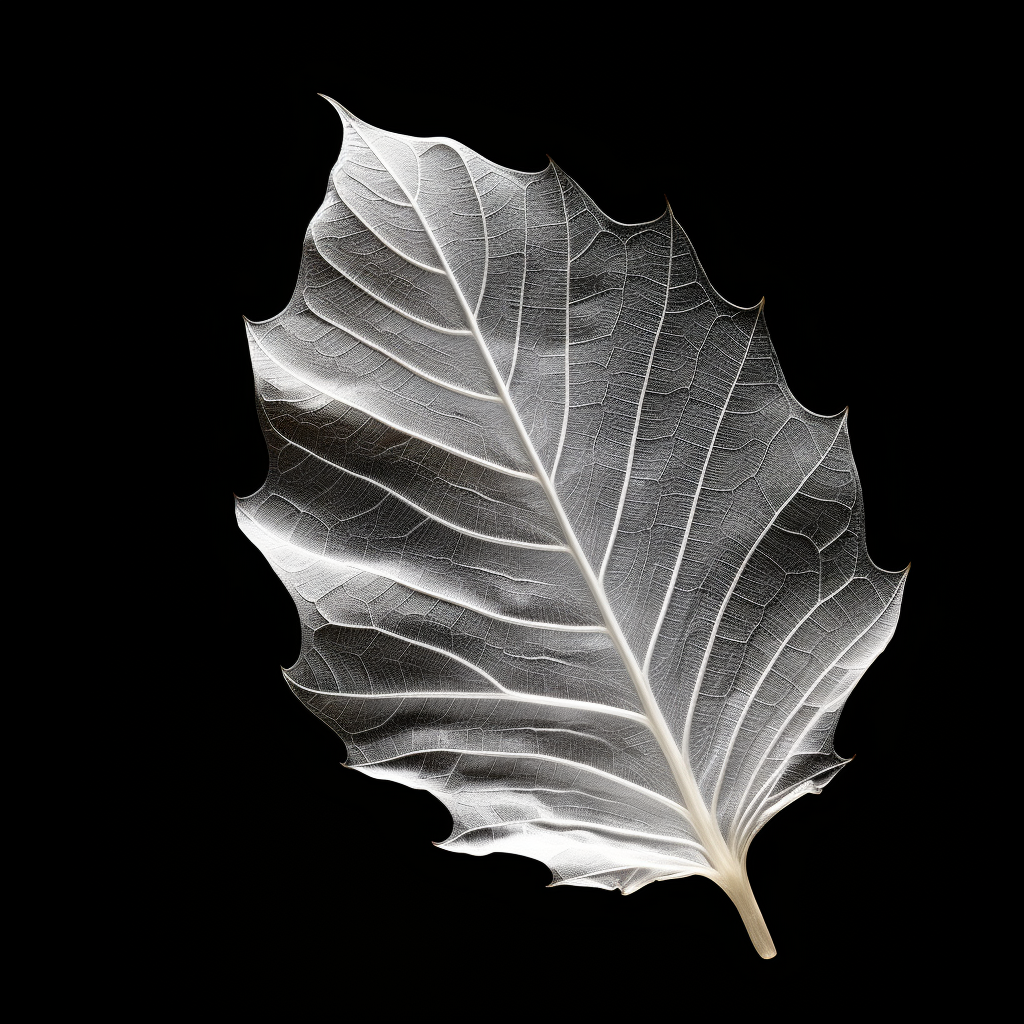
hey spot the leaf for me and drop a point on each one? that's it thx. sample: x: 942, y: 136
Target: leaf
x: 567, y: 552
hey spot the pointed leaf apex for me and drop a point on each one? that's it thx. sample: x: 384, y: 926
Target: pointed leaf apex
x: 344, y: 113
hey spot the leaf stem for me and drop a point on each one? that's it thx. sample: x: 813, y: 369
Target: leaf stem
x: 737, y: 888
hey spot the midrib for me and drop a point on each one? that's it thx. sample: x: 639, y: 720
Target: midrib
x: 719, y: 854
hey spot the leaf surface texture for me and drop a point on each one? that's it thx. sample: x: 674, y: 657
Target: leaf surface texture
x: 567, y: 552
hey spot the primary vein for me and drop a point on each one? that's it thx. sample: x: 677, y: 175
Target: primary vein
x: 696, y: 811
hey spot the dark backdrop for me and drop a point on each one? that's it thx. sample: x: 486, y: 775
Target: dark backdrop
x: 805, y: 189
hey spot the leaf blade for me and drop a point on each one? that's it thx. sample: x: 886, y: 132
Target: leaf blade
x: 429, y: 273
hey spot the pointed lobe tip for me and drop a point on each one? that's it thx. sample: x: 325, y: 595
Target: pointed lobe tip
x: 343, y: 112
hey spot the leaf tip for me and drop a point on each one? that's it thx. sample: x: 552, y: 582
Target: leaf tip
x: 343, y: 113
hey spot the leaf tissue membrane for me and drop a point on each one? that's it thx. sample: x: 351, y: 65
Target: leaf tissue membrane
x: 567, y: 552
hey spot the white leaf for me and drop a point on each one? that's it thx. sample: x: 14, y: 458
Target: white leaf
x: 567, y: 552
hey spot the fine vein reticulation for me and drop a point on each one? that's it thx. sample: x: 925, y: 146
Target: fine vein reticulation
x: 567, y: 552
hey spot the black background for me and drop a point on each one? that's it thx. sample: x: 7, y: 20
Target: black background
x: 800, y: 179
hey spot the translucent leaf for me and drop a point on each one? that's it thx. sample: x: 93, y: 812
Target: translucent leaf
x: 567, y: 552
